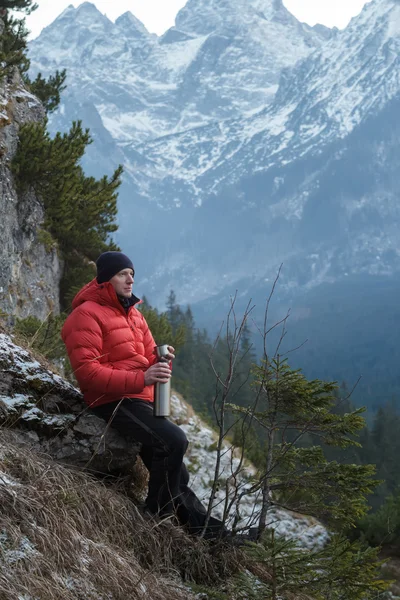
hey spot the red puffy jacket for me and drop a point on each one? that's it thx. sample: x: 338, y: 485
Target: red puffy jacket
x: 109, y: 349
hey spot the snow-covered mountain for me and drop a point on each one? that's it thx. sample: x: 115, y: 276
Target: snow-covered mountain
x: 310, y: 180
x: 322, y: 100
x: 222, y: 59
x: 248, y: 140
x: 213, y: 71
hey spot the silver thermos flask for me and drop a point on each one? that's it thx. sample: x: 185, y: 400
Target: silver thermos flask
x: 162, y: 391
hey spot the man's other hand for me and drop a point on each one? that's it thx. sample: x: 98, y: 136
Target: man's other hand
x: 158, y: 373
x: 169, y: 356
x: 171, y: 353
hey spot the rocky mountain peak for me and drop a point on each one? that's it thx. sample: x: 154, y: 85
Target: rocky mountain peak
x: 131, y: 26
x: 205, y: 16
x: 72, y: 35
x: 87, y: 8
x: 86, y: 13
x: 86, y: 17
x: 324, y: 31
x: 354, y: 74
x: 222, y: 60
x: 378, y: 18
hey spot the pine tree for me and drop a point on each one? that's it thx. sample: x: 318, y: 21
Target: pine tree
x: 26, y: 6
x: 161, y: 327
x: 341, y: 406
x: 385, y: 449
x: 80, y: 211
x: 341, y: 570
x: 48, y: 90
x: 13, y: 44
x: 13, y: 53
x: 246, y: 344
x: 301, y: 478
x: 288, y: 407
x: 175, y: 316
x: 382, y: 528
x: 186, y: 359
x: 13, y: 40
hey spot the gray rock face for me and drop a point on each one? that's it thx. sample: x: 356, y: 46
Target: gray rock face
x: 30, y: 272
x: 51, y: 416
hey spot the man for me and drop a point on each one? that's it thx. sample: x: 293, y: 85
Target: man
x: 111, y: 350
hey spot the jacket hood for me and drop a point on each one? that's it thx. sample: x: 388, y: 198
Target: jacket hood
x: 102, y: 293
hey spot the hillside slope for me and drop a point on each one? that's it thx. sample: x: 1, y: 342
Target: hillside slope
x: 64, y: 534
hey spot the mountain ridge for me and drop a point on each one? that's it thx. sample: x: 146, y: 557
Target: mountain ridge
x: 163, y: 76
x: 285, y: 123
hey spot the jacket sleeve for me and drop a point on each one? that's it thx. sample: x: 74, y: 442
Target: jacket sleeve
x: 83, y: 338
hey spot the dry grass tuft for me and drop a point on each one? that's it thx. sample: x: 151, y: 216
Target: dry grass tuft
x: 65, y: 536
x: 134, y: 485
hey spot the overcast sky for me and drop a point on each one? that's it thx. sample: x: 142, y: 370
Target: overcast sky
x: 159, y: 15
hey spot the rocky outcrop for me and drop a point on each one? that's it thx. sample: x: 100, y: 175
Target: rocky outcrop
x: 30, y: 269
x: 49, y: 414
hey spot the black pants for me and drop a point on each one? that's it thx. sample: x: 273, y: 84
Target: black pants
x: 163, y: 447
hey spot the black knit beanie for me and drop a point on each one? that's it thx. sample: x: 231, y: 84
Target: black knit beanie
x: 110, y: 263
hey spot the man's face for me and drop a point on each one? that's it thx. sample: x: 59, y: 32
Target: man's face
x: 122, y: 283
